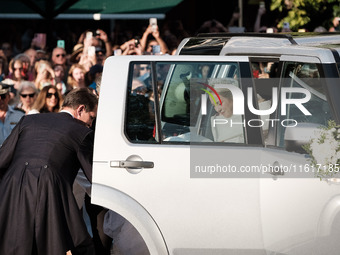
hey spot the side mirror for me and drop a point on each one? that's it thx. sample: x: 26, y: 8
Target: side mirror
x: 299, y: 135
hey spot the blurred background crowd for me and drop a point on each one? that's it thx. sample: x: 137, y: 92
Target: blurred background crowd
x: 42, y: 64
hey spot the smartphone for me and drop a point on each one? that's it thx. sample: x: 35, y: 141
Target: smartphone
x: 136, y: 42
x: 89, y: 35
x: 61, y: 44
x: 156, y: 49
x: 91, y: 51
x: 42, y: 67
x: 153, y: 23
x: 117, y: 52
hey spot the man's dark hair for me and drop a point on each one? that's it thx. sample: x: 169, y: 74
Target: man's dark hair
x: 81, y: 96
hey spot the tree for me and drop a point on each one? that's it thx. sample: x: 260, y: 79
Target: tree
x: 306, y: 13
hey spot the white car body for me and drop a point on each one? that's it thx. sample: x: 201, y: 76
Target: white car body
x: 176, y: 213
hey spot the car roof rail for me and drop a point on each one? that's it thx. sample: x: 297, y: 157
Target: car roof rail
x: 249, y: 34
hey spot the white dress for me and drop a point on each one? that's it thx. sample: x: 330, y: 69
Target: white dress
x: 227, y: 129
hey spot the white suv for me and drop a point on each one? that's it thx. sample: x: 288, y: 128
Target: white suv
x: 193, y: 180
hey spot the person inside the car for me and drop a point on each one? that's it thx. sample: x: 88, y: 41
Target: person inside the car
x: 226, y: 127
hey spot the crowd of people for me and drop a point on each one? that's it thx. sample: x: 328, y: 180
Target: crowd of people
x: 41, y: 65
x: 38, y: 78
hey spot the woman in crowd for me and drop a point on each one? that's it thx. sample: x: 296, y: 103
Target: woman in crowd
x: 44, y: 74
x: 16, y: 73
x: 48, y: 100
x: 27, y: 95
x: 3, y: 66
x: 76, y: 77
x: 59, y: 72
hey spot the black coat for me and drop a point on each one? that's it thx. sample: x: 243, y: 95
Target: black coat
x: 38, y: 164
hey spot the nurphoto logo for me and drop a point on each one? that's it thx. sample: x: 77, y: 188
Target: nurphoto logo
x: 238, y: 104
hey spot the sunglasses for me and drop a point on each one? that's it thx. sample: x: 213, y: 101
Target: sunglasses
x: 27, y: 95
x: 58, y: 55
x: 144, y: 68
x: 49, y: 95
x: 3, y: 96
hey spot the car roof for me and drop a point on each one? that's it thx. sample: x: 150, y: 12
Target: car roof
x: 325, y: 46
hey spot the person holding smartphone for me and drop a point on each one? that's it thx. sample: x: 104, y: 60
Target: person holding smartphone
x: 335, y: 23
x: 152, y: 37
x: 131, y: 47
x: 44, y: 74
x: 101, y: 35
x: 257, y: 25
x: 86, y: 54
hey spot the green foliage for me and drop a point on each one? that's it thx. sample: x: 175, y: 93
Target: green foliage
x: 324, y: 151
x: 301, y: 12
x: 336, y: 7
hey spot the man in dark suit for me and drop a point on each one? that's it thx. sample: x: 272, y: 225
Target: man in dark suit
x: 38, y: 164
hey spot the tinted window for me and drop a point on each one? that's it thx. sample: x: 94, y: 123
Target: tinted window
x: 192, y: 101
x: 140, y: 112
x: 197, y: 105
x: 305, y: 76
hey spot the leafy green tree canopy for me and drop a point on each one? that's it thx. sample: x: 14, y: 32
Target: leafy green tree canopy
x: 301, y: 13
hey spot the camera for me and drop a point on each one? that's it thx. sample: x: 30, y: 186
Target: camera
x: 262, y: 4
x: 156, y: 49
x: 61, y: 44
x: 42, y: 67
x: 91, y: 51
x: 286, y: 25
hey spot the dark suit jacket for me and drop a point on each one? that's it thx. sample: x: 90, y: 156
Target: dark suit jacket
x: 39, y: 162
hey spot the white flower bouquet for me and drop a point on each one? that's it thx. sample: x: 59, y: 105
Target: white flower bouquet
x: 324, y: 150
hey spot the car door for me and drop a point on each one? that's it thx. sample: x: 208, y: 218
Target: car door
x: 305, y: 208
x: 160, y: 163
x: 181, y: 190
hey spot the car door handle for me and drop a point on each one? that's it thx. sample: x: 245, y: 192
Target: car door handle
x: 134, y: 164
x: 131, y: 164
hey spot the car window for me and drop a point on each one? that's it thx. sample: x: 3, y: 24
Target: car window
x: 140, y: 112
x: 306, y: 76
x: 188, y: 102
x: 197, y: 105
x: 193, y: 103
